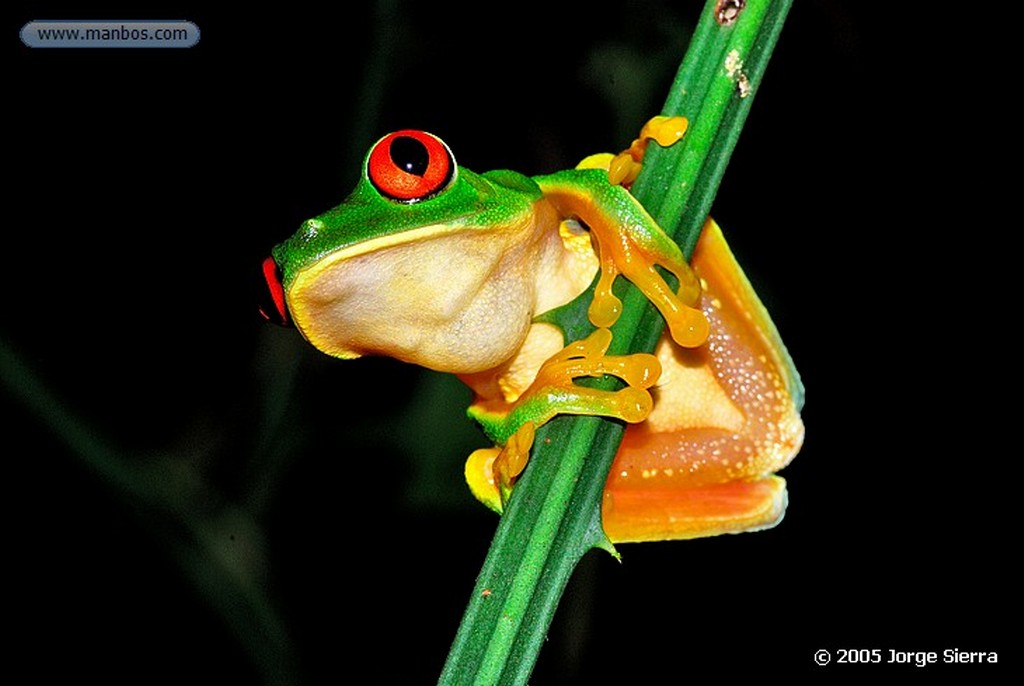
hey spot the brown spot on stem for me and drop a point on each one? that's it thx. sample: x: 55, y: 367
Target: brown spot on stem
x: 728, y: 11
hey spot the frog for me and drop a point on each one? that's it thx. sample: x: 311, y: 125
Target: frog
x: 433, y: 264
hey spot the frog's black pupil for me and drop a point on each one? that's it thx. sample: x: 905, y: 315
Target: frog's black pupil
x: 410, y: 155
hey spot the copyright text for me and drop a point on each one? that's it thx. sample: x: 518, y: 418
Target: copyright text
x: 894, y: 656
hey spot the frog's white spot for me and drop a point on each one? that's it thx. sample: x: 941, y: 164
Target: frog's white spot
x: 313, y: 226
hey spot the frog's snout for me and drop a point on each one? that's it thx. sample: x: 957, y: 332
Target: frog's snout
x: 272, y: 303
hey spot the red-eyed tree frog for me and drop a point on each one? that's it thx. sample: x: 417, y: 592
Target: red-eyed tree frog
x: 430, y: 263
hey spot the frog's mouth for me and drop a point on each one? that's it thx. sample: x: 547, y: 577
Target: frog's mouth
x: 405, y: 297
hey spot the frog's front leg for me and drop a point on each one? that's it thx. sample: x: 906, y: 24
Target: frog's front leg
x: 630, y: 243
x: 624, y: 167
x: 491, y: 472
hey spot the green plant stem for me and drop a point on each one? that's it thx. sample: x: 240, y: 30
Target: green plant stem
x: 554, y: 515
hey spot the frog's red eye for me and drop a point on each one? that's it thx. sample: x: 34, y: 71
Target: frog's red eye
x: 272, y: 304
x: 410, y: 166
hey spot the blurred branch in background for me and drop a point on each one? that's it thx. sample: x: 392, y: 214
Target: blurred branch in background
x: 218, y: 545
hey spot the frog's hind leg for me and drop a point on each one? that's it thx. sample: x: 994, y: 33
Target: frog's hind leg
x: 490, y: 472
x: 726, y: 418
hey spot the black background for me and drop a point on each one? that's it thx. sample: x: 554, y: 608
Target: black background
x: 193, y: 494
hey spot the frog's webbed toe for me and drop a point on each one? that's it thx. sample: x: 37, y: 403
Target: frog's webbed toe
x: 624, y: 167
x: 492, y: 471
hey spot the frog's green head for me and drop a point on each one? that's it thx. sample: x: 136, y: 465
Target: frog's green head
x: 421, y: 262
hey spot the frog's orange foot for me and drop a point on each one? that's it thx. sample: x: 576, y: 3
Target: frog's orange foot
x: 625, y: 167
x: 491, y: 472
x: 625, y: 254
x: 687, y: 324
x: 630, y: 243
x: 554, y: 392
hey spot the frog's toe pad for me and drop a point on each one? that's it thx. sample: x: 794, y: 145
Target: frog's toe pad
x: 481, y: 479
x: 733, y: 507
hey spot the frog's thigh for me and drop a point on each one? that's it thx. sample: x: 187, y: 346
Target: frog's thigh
x: 702, y: 464
x: 726, y: 417
x: 633, y: 516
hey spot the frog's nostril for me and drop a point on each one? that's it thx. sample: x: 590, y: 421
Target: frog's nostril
x: 272, y: 303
